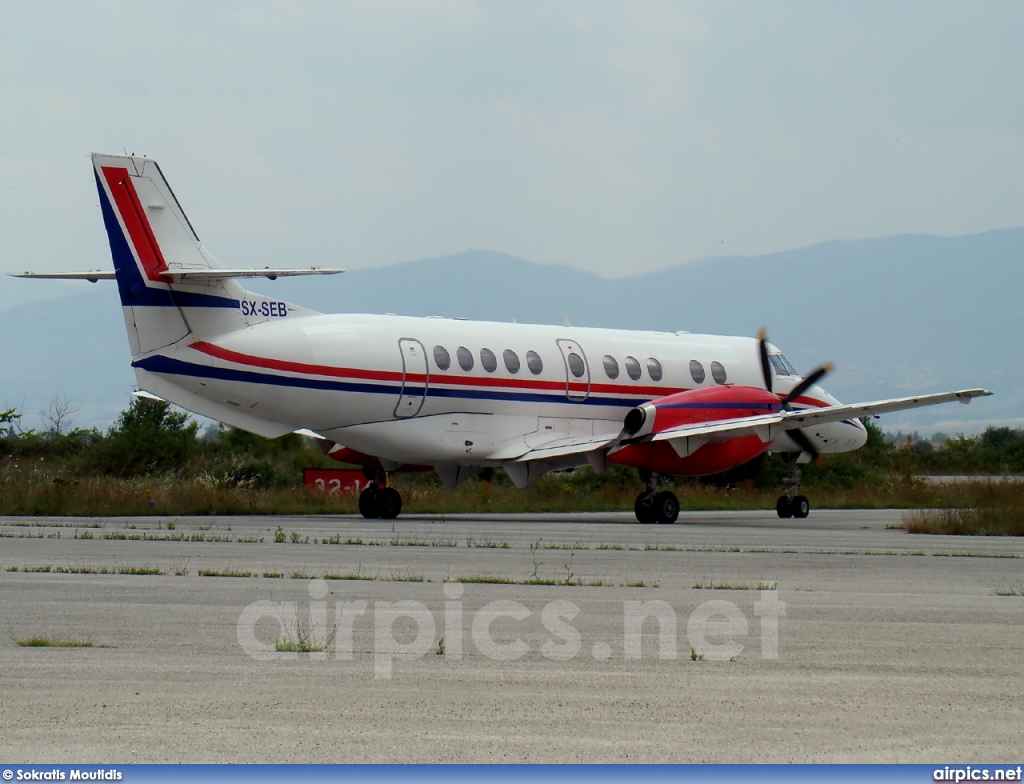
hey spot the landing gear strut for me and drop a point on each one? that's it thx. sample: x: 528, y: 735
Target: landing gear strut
x: 378, y: 501
x: 656, y: 507
x: 791, y: 504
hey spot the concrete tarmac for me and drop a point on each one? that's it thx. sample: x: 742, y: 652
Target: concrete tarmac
x: 728, y: 637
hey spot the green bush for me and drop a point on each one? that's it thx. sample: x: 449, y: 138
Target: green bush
x: 147, y: 438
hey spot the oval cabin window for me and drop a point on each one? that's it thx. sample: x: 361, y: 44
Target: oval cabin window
x: 488, y: 360
x: 534, y: 362
x: 632, y: 368
x: 442, y: 358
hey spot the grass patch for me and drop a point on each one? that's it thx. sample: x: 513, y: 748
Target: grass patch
x: 486, y: 579
x: 423, y: 543
x: 304, y: 638
x: 273, y: 575
x: 471, y: 542
x: 143, y: 570
x: 348, y: 576
x: 1016, y: 589
x: 222, y: 573
x: 83, y: 570
x: 46, y: 642
x: 998, y: 519
x: 709, y: 585
x: 336, y: 539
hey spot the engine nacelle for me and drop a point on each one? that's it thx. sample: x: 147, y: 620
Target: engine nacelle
x: 692, y: 407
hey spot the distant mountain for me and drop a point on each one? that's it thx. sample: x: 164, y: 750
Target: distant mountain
x: 898, y: 315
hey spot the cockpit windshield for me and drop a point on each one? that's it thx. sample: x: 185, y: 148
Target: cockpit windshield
x: 782, y: 365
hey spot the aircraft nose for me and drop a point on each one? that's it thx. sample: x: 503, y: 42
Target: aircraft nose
x: 861, y: 435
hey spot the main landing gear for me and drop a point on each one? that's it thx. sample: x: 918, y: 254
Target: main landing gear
x: 656, y: 507
x: 378, y: 501
x: 790, y: 504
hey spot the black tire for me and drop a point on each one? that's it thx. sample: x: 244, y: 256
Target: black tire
x: 368, y: 503
x: 666, y: 507
x: 644, y: 508
x: 784, y: 507
x: 801, y: 506
x: 389, y: 503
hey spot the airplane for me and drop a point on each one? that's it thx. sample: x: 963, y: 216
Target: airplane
x: 392, y: 393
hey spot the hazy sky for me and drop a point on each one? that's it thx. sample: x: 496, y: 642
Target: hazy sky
x: 615, y: 137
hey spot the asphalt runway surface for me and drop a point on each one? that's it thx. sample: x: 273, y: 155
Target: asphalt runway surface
x: 728, y: 637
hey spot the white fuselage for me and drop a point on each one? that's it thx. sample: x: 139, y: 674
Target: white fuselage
x: 404, y: 389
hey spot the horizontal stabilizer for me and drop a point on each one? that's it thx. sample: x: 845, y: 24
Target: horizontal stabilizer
x: 91, y: 276
x: 223, y: 274
x: 189, y: 274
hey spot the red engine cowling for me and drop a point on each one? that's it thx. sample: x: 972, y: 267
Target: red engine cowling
x: 692, y: 407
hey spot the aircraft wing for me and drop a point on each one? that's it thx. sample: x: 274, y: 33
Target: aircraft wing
x: 769, y: 426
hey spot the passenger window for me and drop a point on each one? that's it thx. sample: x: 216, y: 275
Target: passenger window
x: 696, y: 372
x: 654, y: 369
x: 465, y: 358
x: 534, y: 362
x: 632, y: 368
x: 611, y: 366
x: 511, y: 360
x: 576, y: 365
x: 442, y: 358
x: 718, y: 372
x: 488, y: 360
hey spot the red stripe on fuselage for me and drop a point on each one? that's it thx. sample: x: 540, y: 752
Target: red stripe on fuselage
x: 133, y: 215
x: 298, y: 367
x: 418, y: 378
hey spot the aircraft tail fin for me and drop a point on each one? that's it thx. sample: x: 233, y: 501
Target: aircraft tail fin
x: 172, y: 288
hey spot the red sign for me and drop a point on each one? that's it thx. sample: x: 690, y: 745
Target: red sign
x: 335, y: 480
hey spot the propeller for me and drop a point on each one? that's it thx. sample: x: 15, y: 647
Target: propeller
x: 797, y: 436
x: 766, y: 367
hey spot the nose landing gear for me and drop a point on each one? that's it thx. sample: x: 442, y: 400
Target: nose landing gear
x: 791, y: 504
x: 656, y: 507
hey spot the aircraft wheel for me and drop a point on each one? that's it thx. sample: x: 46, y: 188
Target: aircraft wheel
x: 784, y: 507
x: 644, y: 508
x: 666, y: 507
x: 801, y: 506
x: 389, y: 503
x: 368, y: 503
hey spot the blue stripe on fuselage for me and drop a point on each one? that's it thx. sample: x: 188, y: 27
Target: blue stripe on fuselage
x: 177, y: 367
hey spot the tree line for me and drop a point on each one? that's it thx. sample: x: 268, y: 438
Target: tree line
x: 151, y: 438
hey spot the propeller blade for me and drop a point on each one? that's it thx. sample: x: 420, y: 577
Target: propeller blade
x: 799, y: 438
x: 762, y: 347
x: 806, y: 384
